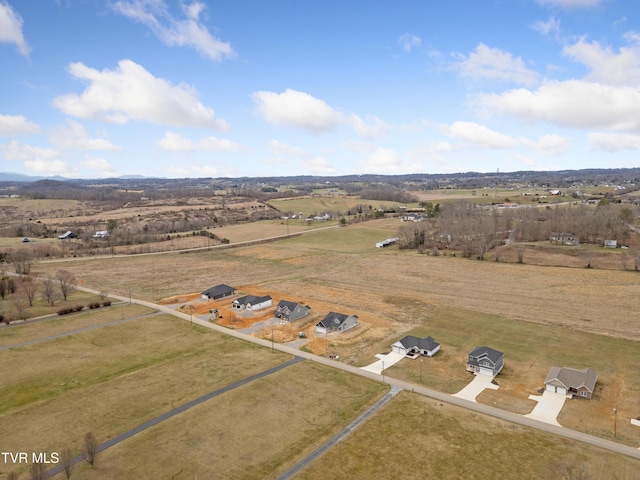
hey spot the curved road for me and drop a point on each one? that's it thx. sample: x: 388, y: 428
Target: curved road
x: 440, y: 396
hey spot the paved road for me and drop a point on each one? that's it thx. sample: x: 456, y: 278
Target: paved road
x: 78, y: 330
x: 340, y: 436
x: 155, y: 421
x: 443, y: 397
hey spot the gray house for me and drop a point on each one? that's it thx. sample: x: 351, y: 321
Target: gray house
x: 291, y: 311
x: 252, y: 302
x: 569, y: 381
x: 485, y: 361
x: 411, y: 346
x: 336, y: 322
x: 219, y: 291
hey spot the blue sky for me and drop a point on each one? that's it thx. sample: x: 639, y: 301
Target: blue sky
x: 174, y: 88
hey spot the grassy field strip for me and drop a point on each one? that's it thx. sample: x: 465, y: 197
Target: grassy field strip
x: 155, y: 421
x: 340, y: 436
x: 437, y: 440
x: 79, y: 330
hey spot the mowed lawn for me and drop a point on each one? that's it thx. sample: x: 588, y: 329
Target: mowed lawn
x: 530, y: 351
x: 112, y: 379
x: 252, y: 432
x: 413, y: 436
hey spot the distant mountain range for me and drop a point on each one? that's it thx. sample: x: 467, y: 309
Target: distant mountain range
x: 19, y: 177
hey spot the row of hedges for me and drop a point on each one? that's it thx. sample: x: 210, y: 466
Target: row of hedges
x: 78, y: 308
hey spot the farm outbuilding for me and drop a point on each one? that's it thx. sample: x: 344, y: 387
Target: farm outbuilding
x: 67, y: 235
x: 387, y: 242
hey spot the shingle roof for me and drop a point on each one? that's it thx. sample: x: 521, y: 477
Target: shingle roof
x: 218, y: 290
x: 251, y: 299
x: 333, y: 320
x: 493, y: 355
x: 572, y: 378
x: 287, y: 304
x: 427, y: 343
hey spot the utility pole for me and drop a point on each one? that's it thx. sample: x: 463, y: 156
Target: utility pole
x: 420, y: 370
x: 382, y: 371
x: 615, y: 421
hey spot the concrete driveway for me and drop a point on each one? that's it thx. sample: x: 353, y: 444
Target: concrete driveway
x: 386, y: 360
x: 548, y: 408
x: 475, y: 388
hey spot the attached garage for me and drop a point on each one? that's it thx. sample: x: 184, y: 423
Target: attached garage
x: 556, y: 389
x: 486, y: 371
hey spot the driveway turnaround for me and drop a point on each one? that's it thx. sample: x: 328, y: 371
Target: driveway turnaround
x: 548, y: 407
x: 475, y: 388
x: 386, y: 360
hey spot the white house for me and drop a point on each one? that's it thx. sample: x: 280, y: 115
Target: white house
x: 252, y: 302
x: 412, y: 346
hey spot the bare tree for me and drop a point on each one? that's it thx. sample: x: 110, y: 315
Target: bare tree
x: 29, y: 287
x: 22, y: 261
x: 20, y: 305
x: 66, y: 459
x: 103, y: 295
x: 90, y: 451
x: 520, y: 252
x: 67, y: 281
x: 49, y: 291
x: 3, y: 287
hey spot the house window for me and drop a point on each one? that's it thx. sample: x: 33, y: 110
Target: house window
x: 583, y: 393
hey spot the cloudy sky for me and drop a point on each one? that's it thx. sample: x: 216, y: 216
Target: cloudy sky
x: 172, y: 88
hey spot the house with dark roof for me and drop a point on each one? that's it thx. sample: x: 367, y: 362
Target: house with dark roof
x: 572, y: 382
x: 413, y: 346
x: 485, y: 361
x: 218, y: 292
x: 336, y: 322
x: 291, y: 311
x: 252, y: 302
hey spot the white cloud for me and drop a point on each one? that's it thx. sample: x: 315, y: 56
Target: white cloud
x: 172, y: 31
x: 375, y: 128
x: 174, y: 142
x: 101, y: 166
x: 573, y: 104
x: 292, y: 108
x: 280, y: 148
x: 74, y: 136
x: 11, y: 125
x: 409, y: 41
x: 613, y: 142
x: 36, y: 160
x: 571, y: 3
x: 495, y: 64
x: 548, y: 144
x: 297, y: 109
x: 194, y: 169
x: 11, y: 28
x: 478, y: 136
x: 319, y: 166
x: 132, y: 93
x: 546, y: 28
x: 606, y: 66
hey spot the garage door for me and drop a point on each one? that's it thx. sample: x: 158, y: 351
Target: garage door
x: 561, y: 390
x: 486, y: 371
x: 551, y: 388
